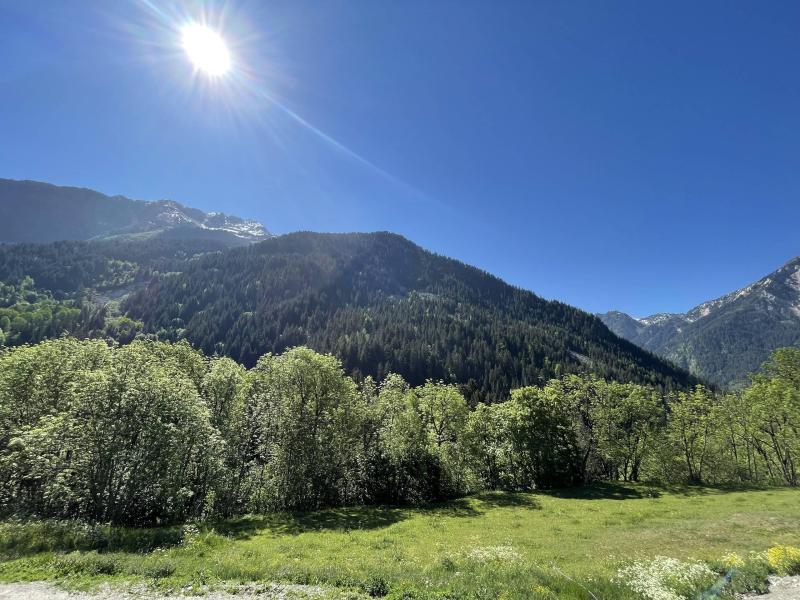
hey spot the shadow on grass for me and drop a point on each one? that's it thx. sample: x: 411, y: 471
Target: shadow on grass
x: 345, y: 519
x: 709, y: 490
x: 507, y: 500
x: 27, y: 538
x: 631, y: 491
x: 605, y: 491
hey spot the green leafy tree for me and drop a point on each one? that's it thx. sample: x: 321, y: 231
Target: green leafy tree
x: 307, y: 432
x: 626, y: 419
x: 542, y: 433
x: 690, y: 428
x: 775, y: 394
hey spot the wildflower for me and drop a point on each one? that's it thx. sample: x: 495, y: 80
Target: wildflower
x: 492, y: 553
x: 665, y: 578
x: 190, y: 535
x: 785, y: 560
x: 732, y: 561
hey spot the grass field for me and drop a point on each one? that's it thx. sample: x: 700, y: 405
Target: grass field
x: 494, y: 545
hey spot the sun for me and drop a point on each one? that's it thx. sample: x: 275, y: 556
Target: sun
x: 206, y: 49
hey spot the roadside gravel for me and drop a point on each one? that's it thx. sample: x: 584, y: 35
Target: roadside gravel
x: 780, y: 588
x: 42, y: 590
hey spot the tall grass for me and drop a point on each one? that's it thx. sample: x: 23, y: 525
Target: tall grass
x: 21, y: 538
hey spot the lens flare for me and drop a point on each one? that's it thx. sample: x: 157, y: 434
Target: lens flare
x: 206, y: 49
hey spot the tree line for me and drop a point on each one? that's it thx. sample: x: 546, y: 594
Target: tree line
x: 154, y: 432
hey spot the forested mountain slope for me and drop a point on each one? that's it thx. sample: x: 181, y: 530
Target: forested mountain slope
x: 383, y: 304
x: 76, y: 287
x: 726, y: 339
x: 31, y: 211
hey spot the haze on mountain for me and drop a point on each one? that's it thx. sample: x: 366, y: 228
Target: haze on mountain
x: 726, y: 339
x: 32, y: 211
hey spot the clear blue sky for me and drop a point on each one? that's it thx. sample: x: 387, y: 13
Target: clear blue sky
x: 643, y: 156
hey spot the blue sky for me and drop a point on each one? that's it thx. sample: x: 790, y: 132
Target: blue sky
x: 643, y: 156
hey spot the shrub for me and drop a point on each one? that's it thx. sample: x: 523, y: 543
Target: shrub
x: 90, y: 563
x: 751, y: 576
x: 376, y: 587
x: 160, y: 569
x: 784, y: 560
x: 666, y: 578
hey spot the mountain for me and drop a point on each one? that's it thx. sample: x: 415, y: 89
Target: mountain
x: 31, y: 211
x: 379, y: 302
x: 123, y: 268
x: 383, y: 304
x: 726, y: 339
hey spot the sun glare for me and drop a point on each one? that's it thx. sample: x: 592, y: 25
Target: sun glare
x: 206, y: 49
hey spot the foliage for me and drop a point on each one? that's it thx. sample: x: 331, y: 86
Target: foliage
x: 664, y: 578
x: 66, y: 268
x: 784, y: 560
x: 30, y: 316
x: 376, y: 301
x: 154, y: 432
x: 124, y: 438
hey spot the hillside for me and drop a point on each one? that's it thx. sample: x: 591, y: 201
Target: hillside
x: 726, y: 339
x: 377, y: 301
x: 31, y: 211
x: 383, y: 304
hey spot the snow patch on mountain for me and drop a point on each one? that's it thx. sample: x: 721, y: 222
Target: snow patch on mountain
x: 174, y: 214
x: 724, y: 339
x: 660, y: 318
x: 794, y: 279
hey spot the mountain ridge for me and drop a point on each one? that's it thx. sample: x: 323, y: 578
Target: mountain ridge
x: 725, y: 339
x: 39, y: 212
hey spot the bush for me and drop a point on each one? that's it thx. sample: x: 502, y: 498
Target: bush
x: 784, y: 560
x: 752, y: 576
x: 90, y: 563
x: 376, y: 587
x: 161, y: 569
x: 665, y: 578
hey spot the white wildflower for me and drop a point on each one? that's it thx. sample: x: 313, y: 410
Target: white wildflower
x: 665, y: 578
x: 190, y: 535
x: 492, y: 553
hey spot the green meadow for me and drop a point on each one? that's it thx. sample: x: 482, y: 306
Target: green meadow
x: 566, y: 544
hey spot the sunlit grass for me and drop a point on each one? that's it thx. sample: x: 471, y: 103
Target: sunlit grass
x: 489, y: 546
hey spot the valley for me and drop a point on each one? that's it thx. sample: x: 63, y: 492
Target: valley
x: 352, y: 416
x: 723, y: 341
x: 308, y: 300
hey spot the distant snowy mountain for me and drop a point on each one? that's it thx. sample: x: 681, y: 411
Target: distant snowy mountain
x: 723, y: 340
x: 32, y: 211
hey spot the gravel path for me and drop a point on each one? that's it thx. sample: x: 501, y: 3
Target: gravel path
x: 780, y: 588
x: 42, y: 590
